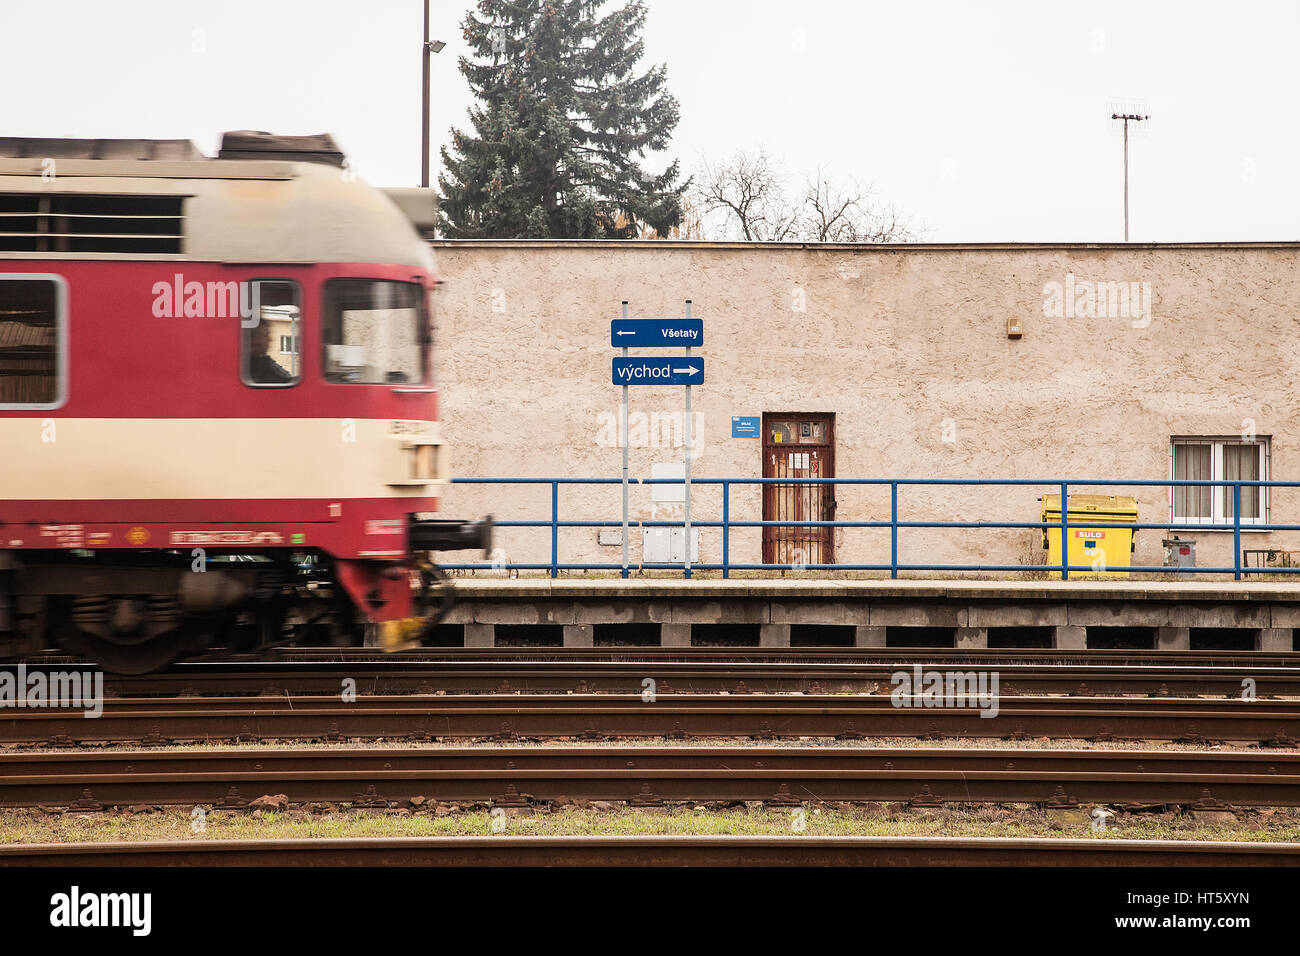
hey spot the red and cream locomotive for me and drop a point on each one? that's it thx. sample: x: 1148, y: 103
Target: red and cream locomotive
x: 218, y: 424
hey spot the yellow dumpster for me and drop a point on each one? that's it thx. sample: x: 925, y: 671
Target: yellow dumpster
x: 1092, y: 545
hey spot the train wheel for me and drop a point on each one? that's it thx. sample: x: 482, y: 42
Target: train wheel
x: 143, y: 658
x: 127, y: 635
x: 435, y: 597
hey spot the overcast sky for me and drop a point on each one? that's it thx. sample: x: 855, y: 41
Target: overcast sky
x: 985, y: 121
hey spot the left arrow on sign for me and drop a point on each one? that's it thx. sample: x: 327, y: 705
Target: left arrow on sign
x: 656, y: 333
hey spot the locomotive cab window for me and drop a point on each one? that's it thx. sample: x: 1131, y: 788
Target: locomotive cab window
x: 269, y: 349
x: 374, y: 332
x: 33, y: 345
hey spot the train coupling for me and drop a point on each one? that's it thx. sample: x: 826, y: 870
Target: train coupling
x: 435, y: 595
x: 451, y: 535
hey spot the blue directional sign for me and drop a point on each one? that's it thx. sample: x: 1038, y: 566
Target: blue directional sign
x: 681, y: 370
x: 656, y: 333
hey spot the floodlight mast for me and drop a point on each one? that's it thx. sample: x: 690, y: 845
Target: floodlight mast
x: 1127, y: 118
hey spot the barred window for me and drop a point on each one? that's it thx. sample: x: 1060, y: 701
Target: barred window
x: 83, y: 222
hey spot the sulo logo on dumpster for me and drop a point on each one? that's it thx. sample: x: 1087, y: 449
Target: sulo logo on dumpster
x: 1090, y: 534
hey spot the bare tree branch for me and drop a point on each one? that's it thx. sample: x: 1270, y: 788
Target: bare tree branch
x: 749, y: 193
x: 850, y: 214
x: 744, y: 197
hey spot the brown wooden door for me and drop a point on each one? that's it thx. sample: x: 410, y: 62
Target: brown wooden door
x: 798, y: 445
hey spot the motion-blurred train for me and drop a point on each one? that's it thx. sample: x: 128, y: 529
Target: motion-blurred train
x: 218, y: 424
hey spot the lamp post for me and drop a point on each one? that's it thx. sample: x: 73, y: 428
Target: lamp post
x: 426, y: 48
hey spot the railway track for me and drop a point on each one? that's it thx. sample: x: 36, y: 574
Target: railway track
x: 705, y: 677
x: 154, y: 721
x: 905, y: 656
x: 723, y: 653
x: 642, y: 851
x: 322, y: 671
x: 650, y: 776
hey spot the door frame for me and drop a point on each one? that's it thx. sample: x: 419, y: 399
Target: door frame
x: 827, y: 543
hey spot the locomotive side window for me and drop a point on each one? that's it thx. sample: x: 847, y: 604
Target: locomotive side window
x: 269, y: 349
x: 373, y: 332
x: 33, y: 341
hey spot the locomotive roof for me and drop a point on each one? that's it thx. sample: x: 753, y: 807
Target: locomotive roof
x: 298, y: 204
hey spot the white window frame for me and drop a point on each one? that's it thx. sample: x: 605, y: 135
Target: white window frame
x: 1219, y: 517
x: 61, y: 347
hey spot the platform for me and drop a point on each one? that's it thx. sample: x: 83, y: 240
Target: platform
x: 1062, y: 614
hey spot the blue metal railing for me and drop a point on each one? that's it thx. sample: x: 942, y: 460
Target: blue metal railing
x: 554, y: 566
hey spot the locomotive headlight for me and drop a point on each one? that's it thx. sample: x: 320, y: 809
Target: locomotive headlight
x: 420, y: 456
x: 426, y: 463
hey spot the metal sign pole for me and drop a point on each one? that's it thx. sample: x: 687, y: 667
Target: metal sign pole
x: 624, y: 443
x: 628, y: 333
x: 688, y: 460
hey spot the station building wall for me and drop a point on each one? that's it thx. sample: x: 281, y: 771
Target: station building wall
x: 911, y: 350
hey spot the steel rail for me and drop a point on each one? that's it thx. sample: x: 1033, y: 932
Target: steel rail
x: 596, y: 716
x: 648, y: 776
x: 642, y: 851
x: 740, y: 653
x: 369, y: 657
x: 473, y: 677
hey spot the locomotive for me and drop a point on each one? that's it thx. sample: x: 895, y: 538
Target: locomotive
x: 218, y: 423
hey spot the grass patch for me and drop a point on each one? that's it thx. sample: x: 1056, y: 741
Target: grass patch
x: 177, y: 823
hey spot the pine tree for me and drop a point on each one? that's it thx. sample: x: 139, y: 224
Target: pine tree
x: 561, y: 128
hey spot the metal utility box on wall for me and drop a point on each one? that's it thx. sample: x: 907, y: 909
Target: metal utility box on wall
x: 668, y: 494
x: 668, y: 545
x: 1095, y: 547
x: 1179, y: 552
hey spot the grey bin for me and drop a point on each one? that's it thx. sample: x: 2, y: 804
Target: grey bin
x: 1179, y: 552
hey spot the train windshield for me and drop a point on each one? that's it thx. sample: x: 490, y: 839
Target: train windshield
x: 373, y: 332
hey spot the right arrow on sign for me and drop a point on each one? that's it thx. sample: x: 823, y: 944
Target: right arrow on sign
x: 659, y: 371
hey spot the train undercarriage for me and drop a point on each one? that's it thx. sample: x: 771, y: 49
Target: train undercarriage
x: 138, y: 611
